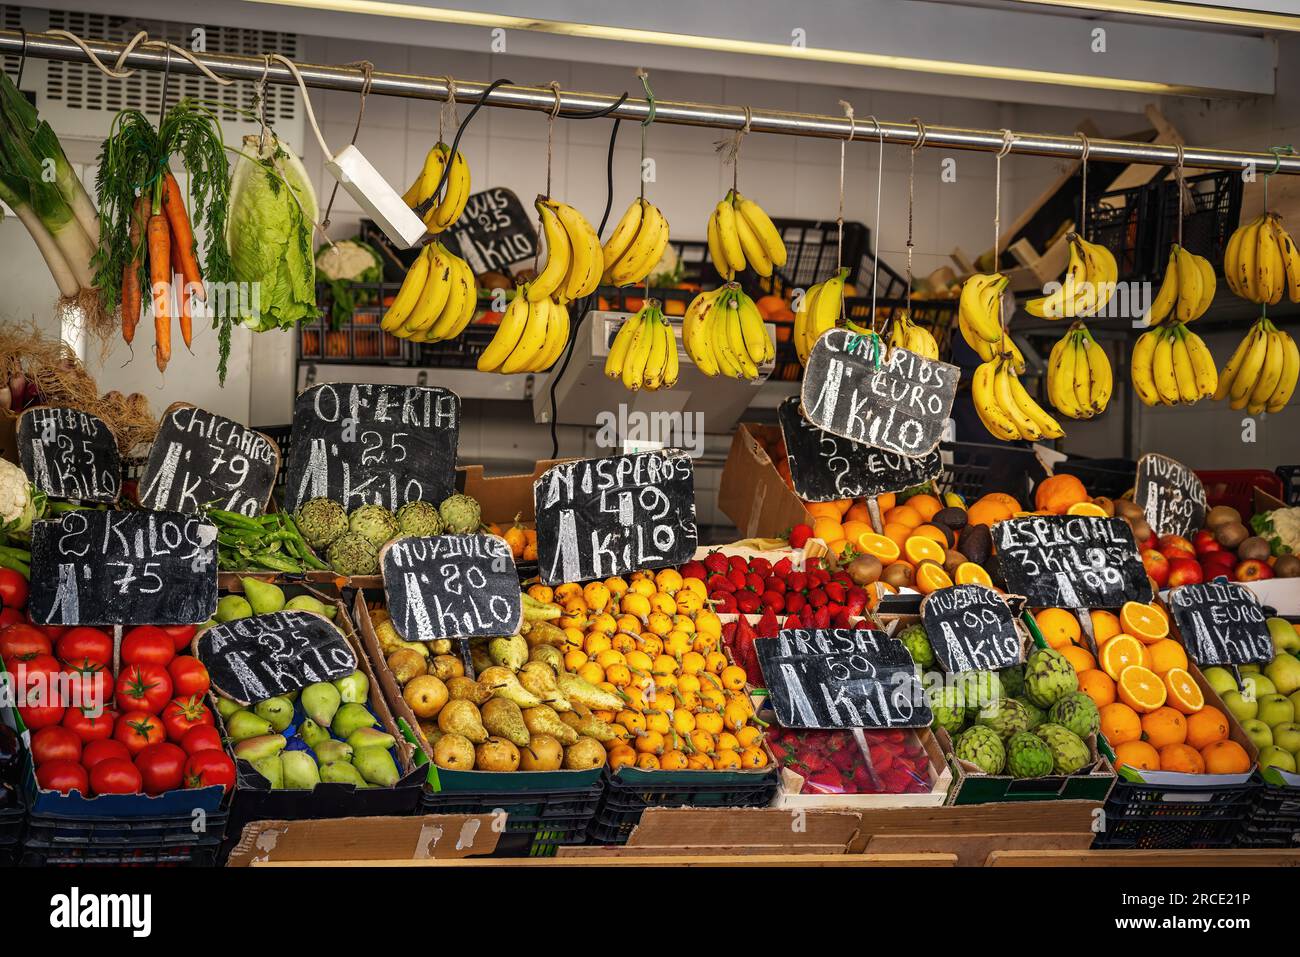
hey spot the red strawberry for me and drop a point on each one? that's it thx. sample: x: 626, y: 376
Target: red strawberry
x: 725, y: 603
x: 817, y: 598
x: 806, y: 617
x: 737, y: 578
x: 782, y: 567
x: 728, y: 631
x: 844, y: 759
x: 748, y: 602
x: 855, y: 600
x: 835, y: 592
x: 737, y: 563
x: 792, y: 621
x: 754, y: 582
x: 767, y: 626
x: 799, y: 535
x: 760, y: 565
x: 863, y: 625
x: 774, y: 600
x: 796, y: 581
x: 718, y: 582
x: 716, y: 562
x: 774, y: 583
x: 693, y: 569
x: 795, y: 602
x: 826, y: 782
x: 818, y: 576
x: 841, y: 620
x: 821, y: 619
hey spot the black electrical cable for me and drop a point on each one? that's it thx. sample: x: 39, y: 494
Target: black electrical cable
x: 455, y: 145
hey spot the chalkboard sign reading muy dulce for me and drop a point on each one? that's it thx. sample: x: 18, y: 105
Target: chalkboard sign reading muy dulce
x: 611, y: 516
x: 69, y: 454
x: 971, y: 628
x: 373, y: 445
x: 1170, y: 494
x: 263, y: 656
x: 451, y: 586
x: 825, y: 466
x: 96, y: 567
x: 1071, y: 561
x: 891, y: 399
x: 200, y: 459
x: 1221, y: 623
x: 841, y: 678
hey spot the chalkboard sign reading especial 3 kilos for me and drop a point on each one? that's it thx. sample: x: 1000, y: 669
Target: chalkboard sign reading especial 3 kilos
x: 1071, y: 561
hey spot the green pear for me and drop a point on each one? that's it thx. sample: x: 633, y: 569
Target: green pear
x: 243, y: 724
x: 504, y: 684
x: 331, y: 750
x: 300, y: 771
x: 339, y: 772
x: 271, y: 768
x: 376, y: 766
x: 504, y: 719
x: 306, y: 603
x: 227, y: 707
x: 291, y: 695
x: 263, y: 597
x: 321, y: 702
x: 350, y: 717
x: 508, y: 651
x: 312, y: 734
x: 263, y: 746
x: 278, y: 711
x: 370, y: 738
x: 1284, y: 671
x: 233, y: 606
x: 354, y: 688
x: 544, y: 720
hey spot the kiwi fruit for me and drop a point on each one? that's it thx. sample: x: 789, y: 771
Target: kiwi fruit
x: 953, y: 518
x: 865, y: 569
x: 1253, y: 549
x: 952, y: 560
x: 1127, y: 508
x: 977, y: 543
x: 1107, y: 505
x: 1230, y: 534
x: 898, y: 574
x: 1287, y: 566
x: 1141, y: 529
x: 1222, y: 515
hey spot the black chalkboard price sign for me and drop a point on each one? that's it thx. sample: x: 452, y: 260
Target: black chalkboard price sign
x: 96, y: 567
x: 1221, y: 623
x: 971, y: 628
x: 495, y: 232
x: 841, y: 678
x: 890, y: 399
x: 373, y: 444
x: 70, y: 454
x: 1171, y: 494
x: 611, y: 516
x: 1071, y: 561
x: 199, y: 459
x: 825, y: 466
x: 451, y: 586
x: 252, y: 659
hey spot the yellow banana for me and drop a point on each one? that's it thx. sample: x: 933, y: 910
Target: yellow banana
x: 1162, y: 368
x: 1048, y: 426
x: 1290, y: 260
x: 1060, y: 387
x: 1209, y: 285
x: 991, y: 413
x: 456, y: 195
x: 587, y: 261
x: 508, y: 333
x: 638, y: 354
x: 463, y: 295
x: 618, y: 348
x: 716, y: 336
x: 716, y: 253
x: 1251, y: 363
x: 1268, y: 263
x: 1188, y: 392
x: 693, y: 332
x: 422, y: 189
x: 531, y: 341
x: 436, y: 290
x: 409, y: 294
x: 1054, y: 305
x: 1189, y: 286
x: 620, y: 240
x: 755, y: 254
x: 1140, y: 367
x: 1167, y: 297
x: 981, y: 303
x: 1207, y: 376
x: 1082, y: 374
x: 803, y: 324
x: 1025, y: 425
x: 558, y: 254
x: 671, y: 370
x: 728, y: 236
x: 657, y: 361
x: 1246, y: 258
x: 1228, y: 375
x: 1290, y: 373
x: 1270, y: 373
x: 763, y: 228
x: 753, y: 332
x: 1103, y: 380
x: 1231, y: 267
x: 646, y: 250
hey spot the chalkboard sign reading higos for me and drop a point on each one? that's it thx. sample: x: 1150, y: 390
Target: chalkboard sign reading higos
x: 611, y: 516
x: 1071, y: 561
x: 262, y: 656
x: 69, y: 454
x: 451, y: 586
x: 1221, y: 623
x: 971, y: 628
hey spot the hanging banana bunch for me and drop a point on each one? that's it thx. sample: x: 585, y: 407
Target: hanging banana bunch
x: 1261, y: 261
x: 723, y: 333
x: 740, y: 232
x: 819, y: 311
x: 1088, y: 285
x: 441, y: 214
x: 644, y: 352
x: 1005, y: 407
x: 1079, y: 376
x: 1186, y: 291
x: 437, y: 298
x: 908, y: 335
x: 636, y: 245
x: 1261, y: 375
x: 574, y: 259
x: 979, y: 317
x: 531, y: 336
x: 1172, y: 366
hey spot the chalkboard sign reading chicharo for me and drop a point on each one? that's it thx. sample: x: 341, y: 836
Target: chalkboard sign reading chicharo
x: 263, y: 656
x: 70, y: 454
x: 1071, y: 561
x: 1171, y: 494
x: 495, y: 231
x: 825, y: 466
x: 891, y: 399
x: 611, y: 516
x: 199, y: 459
x: 841, y: 678
x: 373, y: 445
x: 451, y: 586
x: 971, y: 628
x: 96, y: 567
x: 1221, y: 623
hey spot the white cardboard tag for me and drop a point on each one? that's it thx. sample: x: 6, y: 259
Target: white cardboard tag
x: 376, y: 197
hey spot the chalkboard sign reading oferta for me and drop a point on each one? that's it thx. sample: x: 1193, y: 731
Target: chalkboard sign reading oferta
x: 841, y: 678
x: 890, y: 399
x: 971, y: 628
x: 70, y: 454
x: 1221, y: 623
x: 373, y: 444
x: 252, y: 659
x: 1170, y: 494
x: 825, y: 466
x: 1071, y: 561
x: 451, y: 586
x: 495, y: 231
x: 611, y: 516
x: 199, y: 459
x: 96, y: 567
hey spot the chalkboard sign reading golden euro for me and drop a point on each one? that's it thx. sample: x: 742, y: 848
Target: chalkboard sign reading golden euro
x: 971, y: 628
x: 1071, y: 561
x: 451, y: 586
x: 1221, y: 623
x: 201, y: 459
x: 69, y: 454
x: 361, y: 444
x: 1170, y: 494
x: 892, y: 399
x: 262, y: 656
x: 611, y: 516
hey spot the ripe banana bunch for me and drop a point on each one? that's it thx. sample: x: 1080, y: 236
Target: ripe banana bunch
x: 1171, y: 365
x: 1079, y: 377
x: 636, y: 245
x: 644, y: 353
x: 979, y: 317
x: 531, y: 336
x: 574, y: 258
x: 1261, y: 375
x: 723, y: 333
x: 913, y: 338
x: 739, y: 232
x: 437, y: 298
x: 1088, y: 285
x: 819, y: 311
x: 1006, y: 408
x: 438, y: 215
x: 1186, y: 291
x: 1261, y: 261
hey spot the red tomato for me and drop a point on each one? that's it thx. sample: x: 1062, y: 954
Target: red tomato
x: 181, y: 635
x: 97, y: 751
x: 85, y: 644
x: 189, y: 676
x: 115, y: 776
x: 162, y: 766
x: 40, y: 715
x: 54, y: 743
x: 206, y: 768
x: 201, y: 738
x: 63, y: 776
x: 10, y: 616
x: 87, y: 728
x: 89, y: 686
x: 34, y: 670
x: 13, y: 589
x: 147, y: 645
x: 143, y: 687
x: 182, y: 714
x: 23, y: 639
x: 137, y: 730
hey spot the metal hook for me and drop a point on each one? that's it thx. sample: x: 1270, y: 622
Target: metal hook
x: 166, y: 80
x: 649, y: 96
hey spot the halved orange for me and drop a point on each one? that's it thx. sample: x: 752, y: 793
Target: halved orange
x: 968, y: 573
x: 919, y: 549
x: 1141, y: 688
x: 1146, y: 622
x: 1086, y: 508
x: 930, y: 576
x: 1059, y: 627
x: 1183, y: 691
x: 883, y: 547
x: 1121, y: 652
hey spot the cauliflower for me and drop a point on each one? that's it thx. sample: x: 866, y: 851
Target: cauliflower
x: 20, y: 503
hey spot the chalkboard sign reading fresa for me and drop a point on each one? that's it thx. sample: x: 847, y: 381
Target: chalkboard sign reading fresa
x: 611, y: 516
x: 96, y: 567
x: 971, y: 628
x: 1221, y: 623
x: 262, y: 656
x: 70, y: 454
x: 1071, y: 561
x: 1170, y: 494
x: 451, y: 586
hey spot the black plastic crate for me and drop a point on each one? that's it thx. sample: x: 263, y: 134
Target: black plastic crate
x: 1123, y: 221
x: 1213, y: 215
x: 623, y: 803
x: 1156, y: 817
x: 975, y: 469
x: 459, y: 353
x: 537, y: 822
x: 1290, y: 476
x: 812, y: 251
x: 1107, y: 477
x: 360, y: 339
x: 1274, y: 818
x: 52, y: 841
x: 11, y: 832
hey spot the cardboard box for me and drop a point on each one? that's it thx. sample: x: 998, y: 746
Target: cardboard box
x: 431, y: 837
x: 790, y: 794
x: 752, y: 493
x: 503, y: 497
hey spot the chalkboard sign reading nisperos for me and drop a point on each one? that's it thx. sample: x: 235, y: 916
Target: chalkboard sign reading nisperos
x: 1170, y: 494
x: 611, y: 516
x: 451, y: 586
x: 373, y: 444
x: 891, y: 399
x: 825, y: 466
x: 96, y: 567
x: 1221, y: 623
x: 70, y: 454
x: 1071, y: 561
x: 199, y: 459
x: 263, y: 656
x: 495, y: 231
x: 971, y: 628
x: 841, y: 678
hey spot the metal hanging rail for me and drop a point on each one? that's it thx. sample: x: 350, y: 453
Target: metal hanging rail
x: 542, y: 99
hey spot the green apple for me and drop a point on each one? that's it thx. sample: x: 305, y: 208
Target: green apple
x: 1258, y: 732
x: 1294, y: 697
x: 1287, y: 737
x: 1284, y: 635
x: 1275, y: 757
x: 1220, y: 679
x: 1248, y: 669
x: 1284, y: 672
x: 1242, y: 708
x: 1275, y: 709
x: 1256, y: 686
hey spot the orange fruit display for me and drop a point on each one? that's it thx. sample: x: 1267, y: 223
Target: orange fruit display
x: 1098, y: 686
x: 927, y: 505
x: 1184, y: 693
x: 1086, y: 508
x: 828, y: 529
x: 1057, y: 493
x: 1059, y: 627
x: 881, y: 546
x: 1120, y: 724
x: 1146, y: 622
x: 930, y: 576
x: 1141, y: 689
x: 1166, y: 654
x: 1164, y: 726
x: 1081, y: 658
x: 1225, y: 757
x: 1138, y: 755
x: 1183, y: 758
x: 919, y: 548
x: 968, y: 573
x: 1122, y: 651
x: 1206, y: 727
x: 1105, y: 626
x: 904, y: 515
